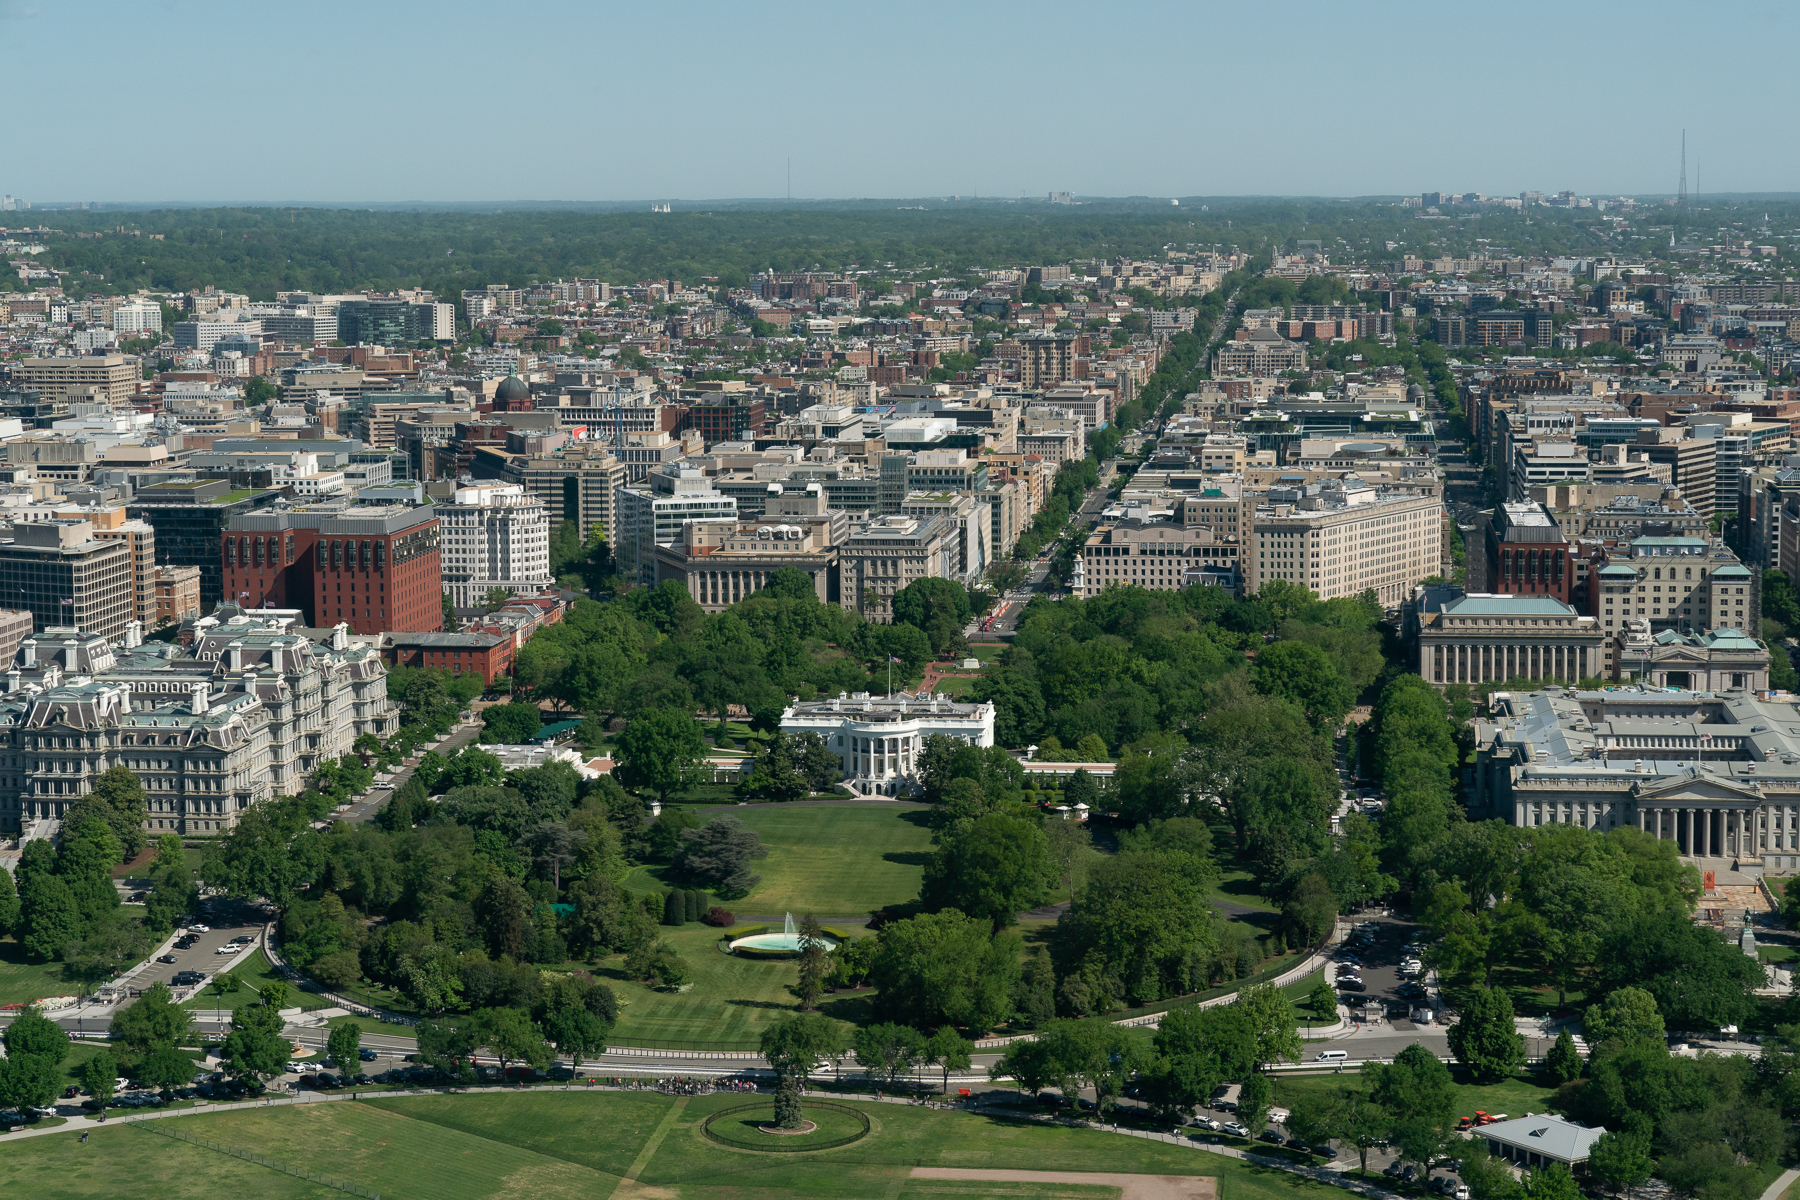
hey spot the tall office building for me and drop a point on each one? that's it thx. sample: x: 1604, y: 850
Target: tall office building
x: 494, y: 536
x: 106, y: 378
x: 377, y: 568
x: 648, y: 519
x: 576, y: 483
x: 189, y: 518
x: 390, y: 322
x: 64, y: 575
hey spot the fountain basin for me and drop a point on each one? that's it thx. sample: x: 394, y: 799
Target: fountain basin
x: 765, y: 942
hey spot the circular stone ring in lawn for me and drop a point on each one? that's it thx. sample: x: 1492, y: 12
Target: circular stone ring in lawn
x: 752, y: 1127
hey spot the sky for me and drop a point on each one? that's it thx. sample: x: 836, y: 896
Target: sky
x: 397, y: 100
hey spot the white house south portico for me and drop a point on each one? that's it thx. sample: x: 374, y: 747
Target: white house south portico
x: 879, y: 738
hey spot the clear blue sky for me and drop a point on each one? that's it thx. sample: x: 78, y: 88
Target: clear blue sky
x: 393, y: 100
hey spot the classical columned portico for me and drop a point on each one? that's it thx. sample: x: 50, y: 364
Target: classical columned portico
x: 1725, y: 831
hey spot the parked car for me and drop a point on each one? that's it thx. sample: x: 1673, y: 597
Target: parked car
x: 367, y: 1055
x: 1272, y: 1137
x: 185, y: 978
x: 1352, y: 985
x: 168, y: 958
x: 1237, y: 1130
x: 137, y: 897
x: 1209, y: 1123
x: 242, y: 940
x: 199, y: 929
x: 226, y: 950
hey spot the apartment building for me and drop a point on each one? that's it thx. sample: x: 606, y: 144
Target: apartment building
x: 494, y: 536
x: 1340, y: 540
x: 1047, y: 358
x: 890, y: 553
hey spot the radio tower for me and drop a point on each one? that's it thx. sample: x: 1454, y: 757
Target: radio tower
x: 1681, y: 197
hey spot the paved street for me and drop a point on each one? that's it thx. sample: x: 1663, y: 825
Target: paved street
x: 372, y: 800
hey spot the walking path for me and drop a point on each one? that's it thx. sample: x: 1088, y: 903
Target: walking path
x: 1783, y: 1182
x: 627, y: 1187
x: 1131, y: 1187
x: 628, y: 1184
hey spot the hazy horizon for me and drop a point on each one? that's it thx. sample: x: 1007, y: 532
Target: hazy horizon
x: 412, y: 104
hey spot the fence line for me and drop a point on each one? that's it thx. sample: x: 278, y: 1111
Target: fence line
x: 259, y: 1160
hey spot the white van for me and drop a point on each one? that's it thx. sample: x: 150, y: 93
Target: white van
x: 1332, y: 1056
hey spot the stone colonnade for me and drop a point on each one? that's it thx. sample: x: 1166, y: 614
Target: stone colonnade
x: 1491, y: 662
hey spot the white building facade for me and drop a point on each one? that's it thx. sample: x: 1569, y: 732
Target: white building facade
x: 494, y: 535
x: 879, y: 739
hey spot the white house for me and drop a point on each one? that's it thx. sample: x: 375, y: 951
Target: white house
x: 879, y: 738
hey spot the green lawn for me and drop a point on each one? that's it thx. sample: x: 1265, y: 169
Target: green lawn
x: 730, y: 999
x: 1775, y: 954
x: 836, y: 861
x: 22, y: 980
x: 253, y: 971
x: 551, y: 1145
x: 1515, y: 1096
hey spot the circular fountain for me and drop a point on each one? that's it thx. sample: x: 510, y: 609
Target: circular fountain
x: 786, y: 942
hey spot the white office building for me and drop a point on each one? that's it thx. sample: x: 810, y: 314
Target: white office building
x: 493, y: 535
x: 649, y: 519
x: 137, y: 316
x: 879, y: 738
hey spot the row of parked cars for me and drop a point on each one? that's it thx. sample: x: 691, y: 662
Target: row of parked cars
x: 1438, y: 1185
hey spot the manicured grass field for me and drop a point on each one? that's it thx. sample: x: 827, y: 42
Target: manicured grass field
x: 1515, y: 1096
x: 745, y: 1129
x: 833, y: 860
x: 836, y: 860
x: 731, y: 999
x: 22, y: 980
x: 554, y: 1144
x: 252, y: 971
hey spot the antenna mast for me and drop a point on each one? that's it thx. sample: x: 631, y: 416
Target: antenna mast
x: 1681, y: 197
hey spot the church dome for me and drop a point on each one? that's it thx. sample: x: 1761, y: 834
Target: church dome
x: 512, y: 388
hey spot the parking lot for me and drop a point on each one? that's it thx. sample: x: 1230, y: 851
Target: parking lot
x: 1380, y: 953
x: 225, y: 920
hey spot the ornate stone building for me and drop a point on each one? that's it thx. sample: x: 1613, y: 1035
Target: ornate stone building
x: 1718, y: 773
x: 248, y: 714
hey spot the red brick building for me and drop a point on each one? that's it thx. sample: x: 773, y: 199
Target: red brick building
x: 374, y: 567
x: 489, y: 655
